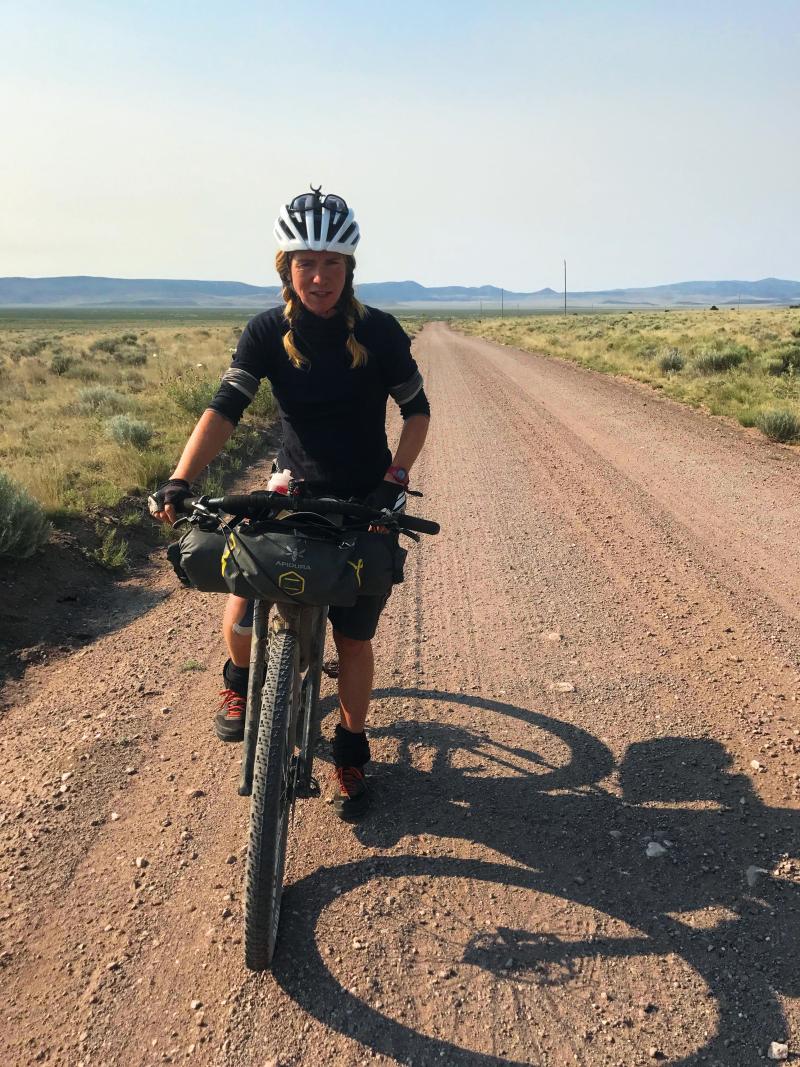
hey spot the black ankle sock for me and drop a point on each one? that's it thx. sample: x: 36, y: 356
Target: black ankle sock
x: 235, y: 677
x: 350, y: 750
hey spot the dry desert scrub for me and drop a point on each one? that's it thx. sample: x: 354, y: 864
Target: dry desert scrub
x: 742, y: 364
x: 97, y: 406
x: 93, y: 410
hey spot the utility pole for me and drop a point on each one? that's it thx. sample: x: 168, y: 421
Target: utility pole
x: 502, y: 291
x: 565, y: 288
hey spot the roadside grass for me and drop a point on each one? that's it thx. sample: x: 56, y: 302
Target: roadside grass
x: 96, y: 406
x: 743, y: 365
x: 94, y: 410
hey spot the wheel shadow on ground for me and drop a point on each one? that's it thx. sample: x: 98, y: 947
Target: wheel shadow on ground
x: 568, y: 835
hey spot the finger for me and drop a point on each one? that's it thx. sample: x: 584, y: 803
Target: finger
x: 170, y: 513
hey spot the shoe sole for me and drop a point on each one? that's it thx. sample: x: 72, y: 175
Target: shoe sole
x: 225, y: 733
x: 355, y: 809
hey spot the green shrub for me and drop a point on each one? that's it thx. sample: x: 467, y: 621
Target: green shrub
x: 648, y: 351
x: 130, y: 357
x: 24, y: 528
x: 111, y: 553
x: 29, y: 348
x: 784, y: 360
x: 192, y: 392
x: 191, y: 665
x: 104, y: 344
x: 127, y: 431
x: 61, y: 363
x: 671, y: 361
x: 717, y: 360
x: 134, y: 381
x: 262, y: 406
x: 84, y: 373
x: 778, y: 425
x: 100, y: 400
x: 747, y: 417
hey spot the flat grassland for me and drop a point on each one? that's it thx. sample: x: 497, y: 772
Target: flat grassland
x: 95, y: 406
x: 741, y: 364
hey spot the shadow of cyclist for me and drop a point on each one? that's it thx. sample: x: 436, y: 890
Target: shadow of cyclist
x: 553, y: 820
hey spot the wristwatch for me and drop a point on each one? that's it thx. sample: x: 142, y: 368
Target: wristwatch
x: 400, y: 474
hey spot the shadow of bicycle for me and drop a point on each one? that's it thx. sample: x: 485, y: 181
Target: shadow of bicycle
x: 552, y: 815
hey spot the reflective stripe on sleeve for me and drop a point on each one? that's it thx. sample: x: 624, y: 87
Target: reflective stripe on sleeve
x: 406, y: 391
x: 243, y: 381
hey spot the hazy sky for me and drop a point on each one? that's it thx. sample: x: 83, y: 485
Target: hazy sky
x: 478, y: 142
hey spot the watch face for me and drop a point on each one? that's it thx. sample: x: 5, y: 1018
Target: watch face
x: 400, y: 473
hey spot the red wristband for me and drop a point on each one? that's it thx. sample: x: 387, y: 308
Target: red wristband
x: 400, y: 475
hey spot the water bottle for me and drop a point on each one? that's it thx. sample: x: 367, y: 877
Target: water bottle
x: 279, y: 482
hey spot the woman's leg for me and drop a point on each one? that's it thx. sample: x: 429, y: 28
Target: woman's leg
x: 237, y: 625
x: 356, y: 670
x: 237, y: 637
x: 350, y: 745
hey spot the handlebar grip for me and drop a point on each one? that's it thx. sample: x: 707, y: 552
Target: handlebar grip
x: 247, y: 503
x: 412, y: 522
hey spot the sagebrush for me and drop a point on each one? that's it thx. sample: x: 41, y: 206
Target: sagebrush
x: 24, y: 528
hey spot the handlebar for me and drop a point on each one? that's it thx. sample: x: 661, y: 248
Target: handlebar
x: 254, y: 505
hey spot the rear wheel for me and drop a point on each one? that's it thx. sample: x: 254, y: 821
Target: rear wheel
x: 273, y: 794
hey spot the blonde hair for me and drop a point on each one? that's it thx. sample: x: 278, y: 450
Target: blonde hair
x: 350, y: 308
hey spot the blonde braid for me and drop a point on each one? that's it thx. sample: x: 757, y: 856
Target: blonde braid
x: 352, y: 309
x: 291, y: 310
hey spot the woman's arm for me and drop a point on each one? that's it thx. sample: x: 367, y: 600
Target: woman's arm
x: 412, y: 438
x: 205, y: 443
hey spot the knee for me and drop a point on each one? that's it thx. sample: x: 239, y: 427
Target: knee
x: 350, y: 649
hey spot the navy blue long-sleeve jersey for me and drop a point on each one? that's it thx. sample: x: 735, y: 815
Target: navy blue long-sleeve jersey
x: 333, y: 416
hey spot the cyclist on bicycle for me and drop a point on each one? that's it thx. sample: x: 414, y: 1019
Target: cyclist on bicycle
x: 332, y: 363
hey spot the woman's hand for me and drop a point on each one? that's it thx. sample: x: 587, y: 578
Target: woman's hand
x: 163, y: 503
x: 388, y: 496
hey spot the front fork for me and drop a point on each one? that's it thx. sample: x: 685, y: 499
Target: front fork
x: 255, y: 684
x: 309, y: 705
x: 309, y: 625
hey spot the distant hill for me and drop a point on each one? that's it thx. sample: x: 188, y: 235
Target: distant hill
x: 89, y: 292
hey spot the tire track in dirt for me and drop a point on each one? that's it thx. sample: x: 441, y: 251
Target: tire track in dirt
x: 497, y: 906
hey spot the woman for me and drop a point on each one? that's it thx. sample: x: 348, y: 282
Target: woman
x: 332, y: 364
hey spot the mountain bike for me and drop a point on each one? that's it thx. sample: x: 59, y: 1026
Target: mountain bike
x: 293, y: 555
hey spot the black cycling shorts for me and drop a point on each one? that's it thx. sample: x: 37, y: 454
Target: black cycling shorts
x: 360, y: 622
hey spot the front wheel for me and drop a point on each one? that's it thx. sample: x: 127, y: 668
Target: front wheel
x: 271, y: 802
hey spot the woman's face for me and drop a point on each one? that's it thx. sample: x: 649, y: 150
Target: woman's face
x: 318, y: 279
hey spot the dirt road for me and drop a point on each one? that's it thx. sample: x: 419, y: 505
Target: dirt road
x: 585, y: 842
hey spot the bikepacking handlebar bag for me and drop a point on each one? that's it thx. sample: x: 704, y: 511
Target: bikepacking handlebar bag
x: 197, y: 559
x: 322, y: 566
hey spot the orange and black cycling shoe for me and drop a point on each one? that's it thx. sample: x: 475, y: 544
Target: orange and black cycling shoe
x: 350, y: 754
x: 351, y: 798
x: 229, y: 723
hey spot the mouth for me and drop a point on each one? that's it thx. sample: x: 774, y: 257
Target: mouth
x: 321, y: 294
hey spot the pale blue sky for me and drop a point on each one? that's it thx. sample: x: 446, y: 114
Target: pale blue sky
x: 477, y: 142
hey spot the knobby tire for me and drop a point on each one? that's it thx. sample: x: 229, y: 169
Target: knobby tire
x: 271, y: 803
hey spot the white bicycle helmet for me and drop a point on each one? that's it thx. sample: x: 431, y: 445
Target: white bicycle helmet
x: 316, y: 223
